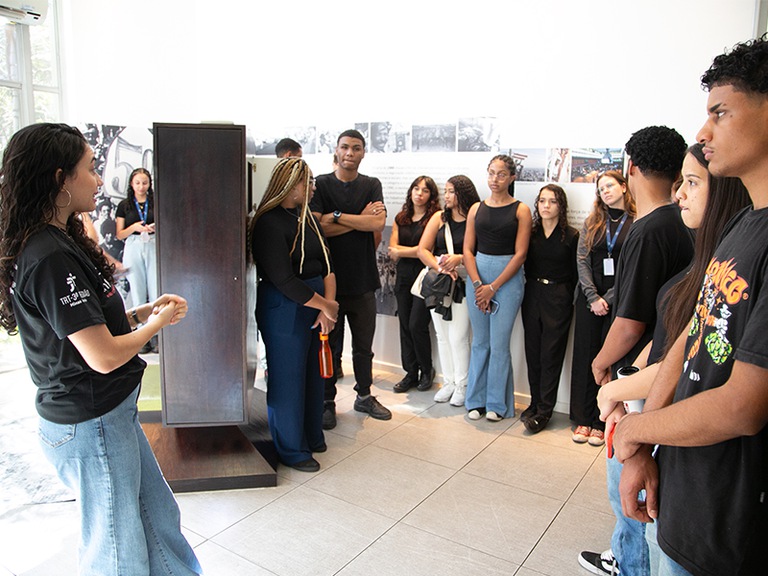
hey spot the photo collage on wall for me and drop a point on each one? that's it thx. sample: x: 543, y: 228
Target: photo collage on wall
x: 442, y: 150
x: 438, y: 149
x: 118, y: 151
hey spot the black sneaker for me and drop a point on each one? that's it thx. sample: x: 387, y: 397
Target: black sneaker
x: 601, y: 564
x: 329, y: 416
x: 426, y: 380
x: 536, y: 424
x: 373, y: 408
x: 405, y: 384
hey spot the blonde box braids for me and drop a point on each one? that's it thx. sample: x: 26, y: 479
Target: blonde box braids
x: 287, y: 173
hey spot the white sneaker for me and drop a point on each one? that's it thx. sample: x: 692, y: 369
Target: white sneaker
x: 445, y: 393
x: 475, y: 415
x: 493, y: 416
x: 458, y: 395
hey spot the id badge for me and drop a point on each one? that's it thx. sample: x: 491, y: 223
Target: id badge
x: 145, y: 236
x: 608, y: 267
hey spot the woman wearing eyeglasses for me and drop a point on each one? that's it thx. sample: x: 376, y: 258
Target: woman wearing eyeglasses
x: 495, y: 247
x: 600, y: 243
x: 550, y: 279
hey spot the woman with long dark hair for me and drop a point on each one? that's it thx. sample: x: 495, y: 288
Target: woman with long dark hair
x: 495, y: 248
x: 135, y: 224
x: 453, y: 341
x: 420, y: 204
x: 550, y: 279
x: 56, y: 289
x: 600, y: 242
x: 296, y: 303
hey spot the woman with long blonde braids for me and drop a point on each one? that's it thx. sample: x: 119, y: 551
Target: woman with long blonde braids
x: 296, y: 300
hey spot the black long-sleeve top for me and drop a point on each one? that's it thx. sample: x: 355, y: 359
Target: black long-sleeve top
x: 271, y: 242
x: 553, y: 258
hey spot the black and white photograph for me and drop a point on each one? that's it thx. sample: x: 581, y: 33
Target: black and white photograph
x: 364, y: 129
x: 559, y: 165
x: 385, y: 296
x: 327, y: 136
x: 263, y: 142
x: 389, y: 137
x: 588, y: 163
x: 434, y: 138
x: 478, y: 134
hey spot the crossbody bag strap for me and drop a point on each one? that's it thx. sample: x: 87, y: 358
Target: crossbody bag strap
x: 448, y: 237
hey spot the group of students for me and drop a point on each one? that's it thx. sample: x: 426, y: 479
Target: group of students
x: 691, y: 498
x: 686, y: 473
x: 502, y: 258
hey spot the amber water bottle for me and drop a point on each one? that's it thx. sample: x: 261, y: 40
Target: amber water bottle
x: 326, y: 358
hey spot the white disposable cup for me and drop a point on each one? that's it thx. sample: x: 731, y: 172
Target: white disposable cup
x: 630, y: 405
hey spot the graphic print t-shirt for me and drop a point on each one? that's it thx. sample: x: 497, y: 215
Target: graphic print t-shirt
x: 714, y: 499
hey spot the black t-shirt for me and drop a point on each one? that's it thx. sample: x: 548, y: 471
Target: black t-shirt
x: 714, y: 499
x: 553, y: 258
x: 57, y: 292
x: 496, y: 229
x: 408, y: 268
x: 273, y: 237
x: 660, y: 331
x: 354, y: 255
x: 658, y: 247
x: 127, y: 210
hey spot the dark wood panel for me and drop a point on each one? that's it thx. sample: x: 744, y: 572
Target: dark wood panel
x: 200, y: 214
x: 217, y: 458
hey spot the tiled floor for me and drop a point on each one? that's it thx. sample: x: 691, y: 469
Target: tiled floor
x: 428, y: 492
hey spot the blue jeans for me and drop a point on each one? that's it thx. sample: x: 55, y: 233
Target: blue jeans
x: 295, y: 388
x: 140, y: 258
x: 130, y: 523
x: 661, y: 564
x: 628, y: 540
x: 491, y: 382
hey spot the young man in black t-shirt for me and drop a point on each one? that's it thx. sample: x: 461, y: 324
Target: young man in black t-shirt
x: 657, y: 247
x: 710, y: 490
x: 350, y: 208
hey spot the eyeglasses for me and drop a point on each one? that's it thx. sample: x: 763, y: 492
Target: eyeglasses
x: 498, y: 175
x: 607, y: 186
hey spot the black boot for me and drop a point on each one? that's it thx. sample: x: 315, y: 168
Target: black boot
x: 426, y: 380
x: 405, y: 384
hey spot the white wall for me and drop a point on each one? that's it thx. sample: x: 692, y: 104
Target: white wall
x: 557, y: 72
x: 571, y: 71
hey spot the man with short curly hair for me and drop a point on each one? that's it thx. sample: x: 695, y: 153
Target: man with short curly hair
x: 708, y: 406
x: 657, y: 247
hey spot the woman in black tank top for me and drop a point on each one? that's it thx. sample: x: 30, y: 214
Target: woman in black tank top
x: 415, y: 344
x: 452, y: 331
x: 495, y: 248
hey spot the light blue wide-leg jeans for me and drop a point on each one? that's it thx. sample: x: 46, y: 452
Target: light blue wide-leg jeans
x: 491, y: 381
x: 130, y: 522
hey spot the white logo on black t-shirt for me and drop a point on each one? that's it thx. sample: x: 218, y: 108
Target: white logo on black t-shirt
x: 75, y: 296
